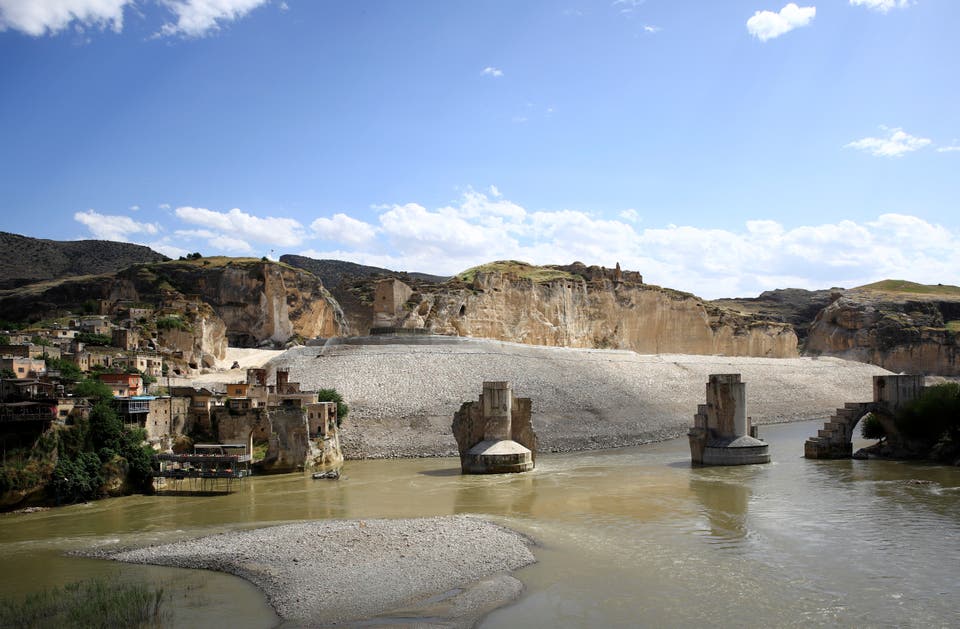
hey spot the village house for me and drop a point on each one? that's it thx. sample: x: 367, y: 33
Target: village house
x: 23, y: 367
x: 123, y: 384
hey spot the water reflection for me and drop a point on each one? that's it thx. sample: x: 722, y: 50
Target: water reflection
x: 724, y: 506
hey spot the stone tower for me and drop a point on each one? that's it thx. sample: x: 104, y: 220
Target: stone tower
x: 721, y: 433
x: 495, y: 434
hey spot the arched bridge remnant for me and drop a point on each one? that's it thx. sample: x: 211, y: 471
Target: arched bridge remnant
x: 890, y: 393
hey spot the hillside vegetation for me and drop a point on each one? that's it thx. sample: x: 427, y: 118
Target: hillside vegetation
x: 28, y: 260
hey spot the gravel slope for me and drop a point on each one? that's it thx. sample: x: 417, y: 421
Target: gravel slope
x: 442, y: 571
x: 403, y: 393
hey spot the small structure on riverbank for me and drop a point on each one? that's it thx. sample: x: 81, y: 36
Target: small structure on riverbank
x: 721, y: 433
x: 495, y: 434
x: 210, y: 469
x: 890, y: 394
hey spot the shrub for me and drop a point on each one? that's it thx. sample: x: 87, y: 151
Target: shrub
x: 872, y: 428
x: 172, y: 322
x: 93, y: 388
x: 932, y: 416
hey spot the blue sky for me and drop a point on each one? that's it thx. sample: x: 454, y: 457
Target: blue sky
x: 722, y: 148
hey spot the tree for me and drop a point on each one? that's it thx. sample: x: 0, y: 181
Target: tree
x: 4, y: 339
x: 933, y: 416
x: 93, y: 388
x: 67, y: 369
x: 331, y: 395
x: 872, y: 428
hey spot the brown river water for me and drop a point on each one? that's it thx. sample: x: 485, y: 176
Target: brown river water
x: 626, y: 538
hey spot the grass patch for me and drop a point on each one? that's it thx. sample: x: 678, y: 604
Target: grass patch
x: 953, y: 326
x: 911, y: 288
x: 522, y: 270
x: 93, y: 603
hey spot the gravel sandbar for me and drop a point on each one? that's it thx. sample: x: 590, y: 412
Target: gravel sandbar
x: 430, y: 572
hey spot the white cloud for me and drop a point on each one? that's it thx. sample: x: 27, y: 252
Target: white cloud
x: 191, y: 18
x: 948, y: 149
x: 113, y: 227
x: 881, y: 5
x: 230, y: 244
x: 491, y: 71
x: 164, y: 206
x: 650, y: 28
x: 896, y: 144
x: 134, y: 208
x: 766, y: 25
x: 196, y: 18
x: 343, y: 228
x: 741, y: 260
x: 42, y: 17
x: 284, y: 232
x: 758, y: 256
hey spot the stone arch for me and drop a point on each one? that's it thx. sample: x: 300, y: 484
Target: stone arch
x: 835, y: 439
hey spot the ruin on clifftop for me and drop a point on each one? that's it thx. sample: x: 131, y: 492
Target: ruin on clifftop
x: 495, y: 434
x: 721, y: 433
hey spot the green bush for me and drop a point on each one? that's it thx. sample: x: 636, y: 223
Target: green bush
x: 171, y: 322
x: 933, y: 416
x: 67, y: 369
x: 872, y: 428
x: 89, y: 338
x: 93, y: 388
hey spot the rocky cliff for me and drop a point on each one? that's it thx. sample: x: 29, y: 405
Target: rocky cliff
x: 795, y: 306
x: 246, y: 301
x: 258, y: 301
x: 590, y: 307
x: 901, y: 326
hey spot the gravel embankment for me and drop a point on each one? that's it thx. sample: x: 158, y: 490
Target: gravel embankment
x: 442, y: 571
x: 403, y: 393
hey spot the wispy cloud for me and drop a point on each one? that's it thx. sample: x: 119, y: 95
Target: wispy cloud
x: 882, y: 5
x: 628, y: 6
x: 480, y: 226
x: 48, y: 17
x: 114, y: 226
x: 765, y: 25
x: 190, y: 18
x: 948, y: 149
x: 196, y: 18
x: 897, y: 143
x: 284, y: 232
x: 650, y: 28
x: 491, y: 71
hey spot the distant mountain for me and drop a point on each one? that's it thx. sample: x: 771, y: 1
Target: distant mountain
x: 28, y: 260
x: 333, y: 272
x: 795, y: 306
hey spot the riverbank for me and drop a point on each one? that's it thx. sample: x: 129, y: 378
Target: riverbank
x: 438, y: 572
x: 403, y: 392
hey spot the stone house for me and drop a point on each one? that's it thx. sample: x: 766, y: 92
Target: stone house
x: 24, y: 367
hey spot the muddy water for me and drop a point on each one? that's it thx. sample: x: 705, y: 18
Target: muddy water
x: 632, y: 537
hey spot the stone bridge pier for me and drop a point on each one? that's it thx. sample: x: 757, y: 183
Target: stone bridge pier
x: 835, y: 439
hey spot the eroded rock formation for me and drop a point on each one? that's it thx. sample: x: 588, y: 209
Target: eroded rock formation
x: 609, y: 311
x: 902, y: 332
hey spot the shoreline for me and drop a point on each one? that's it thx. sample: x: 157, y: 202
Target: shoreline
x: 445, y: 571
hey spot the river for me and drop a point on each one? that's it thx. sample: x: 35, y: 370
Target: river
x: 634, y: 537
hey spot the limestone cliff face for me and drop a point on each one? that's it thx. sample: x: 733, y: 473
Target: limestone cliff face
x: 201, y: 343
x: 262, y: 301
x: 600, y: 313
x: 908, y: 334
